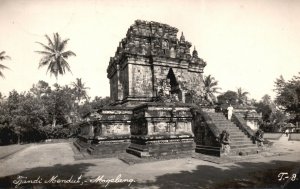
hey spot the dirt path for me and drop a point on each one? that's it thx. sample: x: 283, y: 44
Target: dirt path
x: 6, y: 151
x: 284, y: 145
x: 46, y: 160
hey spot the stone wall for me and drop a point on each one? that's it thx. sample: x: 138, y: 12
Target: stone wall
x: 195, y: 81
x: 113, y: 82
x: 160, y: 120
x: 144, y: 58
x: 150, y: 69
x: 140, y: 81
x: 161, y: 130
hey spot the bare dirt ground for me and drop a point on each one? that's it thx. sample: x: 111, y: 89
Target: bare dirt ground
x: 6, y: 151
x: 40, y: 162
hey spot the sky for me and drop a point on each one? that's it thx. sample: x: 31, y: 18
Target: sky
x: 246, y: 43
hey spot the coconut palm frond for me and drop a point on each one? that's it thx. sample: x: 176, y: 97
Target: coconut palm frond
x: 54, y: 55
x: 68, y: 53
x: 210, y: 88
x: 44, y: 52
x: 45, y: 60
x: 242, y: 95
x: 80, y: 89
x: 1, y: 75
x: 49, y: 41
x: 66, y: 65
x: 3, y: 67
x: 46, y: 47
x: 57, y: 41
x: 3, y: 56
x: 63, y: 45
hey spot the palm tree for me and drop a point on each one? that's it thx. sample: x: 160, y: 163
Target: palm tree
x: 241, y: 96
x: 55, y: 56
x: 210, y: 89
x: 266, y: 99
x: 3, y: 57
x: 80, y: 90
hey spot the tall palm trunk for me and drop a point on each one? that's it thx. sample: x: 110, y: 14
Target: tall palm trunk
x: 54, y: 111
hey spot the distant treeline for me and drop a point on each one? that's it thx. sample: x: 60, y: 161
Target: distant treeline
x: 45, y: 112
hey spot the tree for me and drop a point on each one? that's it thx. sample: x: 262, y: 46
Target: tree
x: 288, y: 96
x: 59, y: 104
x: 229, y: 97
x: 210, y: 89
x: 55, y: 56
x: 2, y: 67
x: 265, y: 106
x: 80, y: 90
x: 273, y: 118
x: 100, y: 102
x: 241, y: 96
x: 28, y: 117
x: 266, y: 99
x: 40, y: 89
x: 2, y: 97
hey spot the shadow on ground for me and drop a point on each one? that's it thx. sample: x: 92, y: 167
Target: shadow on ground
x: 54, y: 177
x: 238, y: 175
x: 46, y: 173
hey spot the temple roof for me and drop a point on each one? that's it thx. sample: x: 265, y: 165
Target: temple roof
x: 155, y: 39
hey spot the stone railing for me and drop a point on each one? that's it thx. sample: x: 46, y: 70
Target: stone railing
x: 207, y: 119
x: 211, y: 125
x: 241, y: 123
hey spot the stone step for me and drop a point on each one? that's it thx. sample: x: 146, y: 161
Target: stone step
x: 237, y: 133
x: 233, y: 129
x: 240, y: 142
x: 137, y: 152
x: 235, y: 146
x: 234, y: 133
x: 223, y: 122
x: 81, y: 146
x: 240, y: 139
x: 215, y: 113
x: 231, y: 132
x: 225, y: 125
x: 237, y: 143
x: 220, y: 119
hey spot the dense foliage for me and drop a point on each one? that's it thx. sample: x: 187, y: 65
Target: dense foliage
x: 273, y: 119
x: 288, y: 96
x: 43, y: 112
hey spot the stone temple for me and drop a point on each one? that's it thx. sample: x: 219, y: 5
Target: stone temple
x: 152, y: 77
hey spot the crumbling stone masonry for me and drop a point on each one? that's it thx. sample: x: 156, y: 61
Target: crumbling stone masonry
x: 150, y: 77
x: 150, y: 55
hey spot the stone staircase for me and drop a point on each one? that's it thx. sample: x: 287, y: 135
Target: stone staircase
x: 240, y: 143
